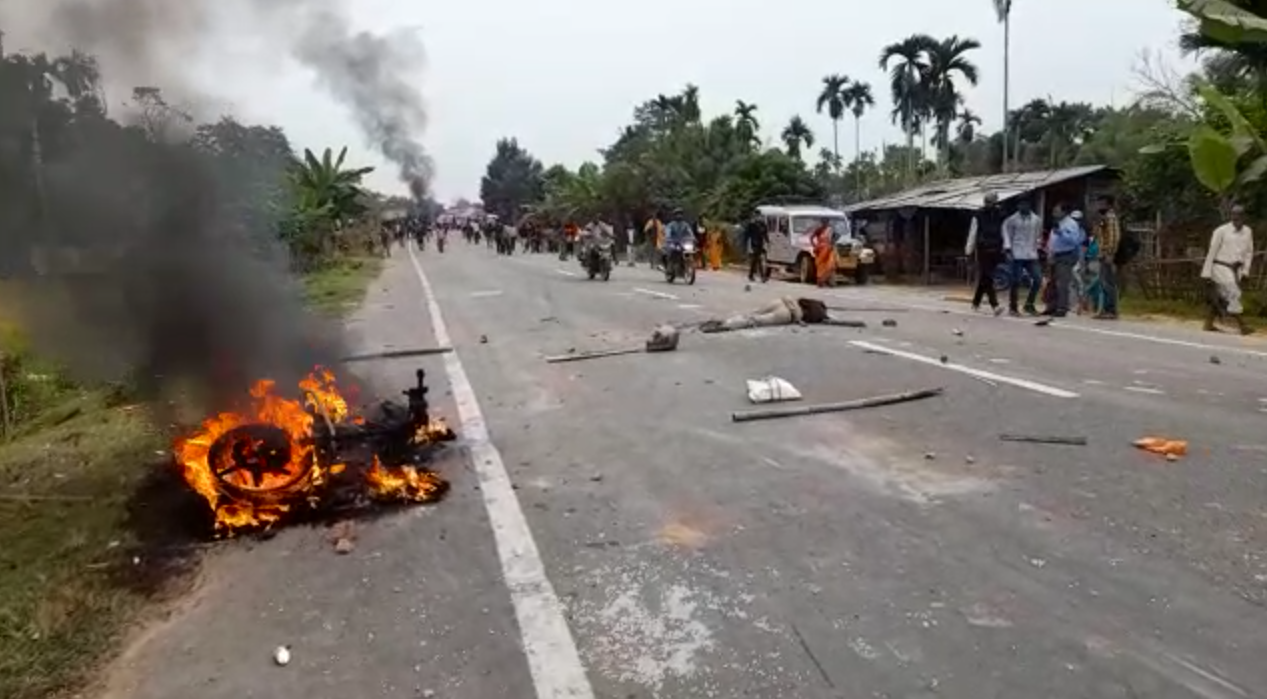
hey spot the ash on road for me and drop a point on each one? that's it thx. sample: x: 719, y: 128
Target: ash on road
x: 612, y: 534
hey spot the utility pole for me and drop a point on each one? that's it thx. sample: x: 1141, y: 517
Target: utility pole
x: 1004, y: 10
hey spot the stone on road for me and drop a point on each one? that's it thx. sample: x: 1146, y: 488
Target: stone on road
x: 612, y: 534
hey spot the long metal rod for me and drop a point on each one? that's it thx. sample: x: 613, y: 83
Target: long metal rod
x: 397, y: 354
x: 800, y: 410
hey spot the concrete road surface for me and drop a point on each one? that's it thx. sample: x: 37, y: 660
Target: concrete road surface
x: 611, y: 533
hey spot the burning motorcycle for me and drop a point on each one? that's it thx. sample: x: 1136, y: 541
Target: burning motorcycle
x: 680, y: 262
x: 599, y: 259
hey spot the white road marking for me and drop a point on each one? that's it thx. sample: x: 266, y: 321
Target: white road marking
x: 1146, y: 389
x: 486, y: 294
x: 553, y: 659
x: 566, y: 272
x: 978, y: 373
x: 657, y: 294
x: 690, y: 306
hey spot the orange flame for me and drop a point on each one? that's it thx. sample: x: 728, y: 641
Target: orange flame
x: 243, y: 500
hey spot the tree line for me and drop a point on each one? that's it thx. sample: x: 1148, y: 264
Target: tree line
x: 59, y: 142
x: 718, y: 167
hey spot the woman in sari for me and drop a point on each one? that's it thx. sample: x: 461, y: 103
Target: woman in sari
x: 714, y: 249
x: 824, y: 254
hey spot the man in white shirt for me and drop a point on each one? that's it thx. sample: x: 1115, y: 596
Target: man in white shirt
x: 1021, y: 237
x: 1226, y: 264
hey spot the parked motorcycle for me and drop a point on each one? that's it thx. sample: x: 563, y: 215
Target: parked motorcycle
x: 599, y: 260
x: 680, y: 262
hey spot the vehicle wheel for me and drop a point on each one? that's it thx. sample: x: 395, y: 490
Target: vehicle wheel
x: 861, y: 275
x: 592, y: 274
x: 805, y: 269
x: 668, y: 276
x: 690, y: 275
x: 607, y: 272
x: 1002, y: 279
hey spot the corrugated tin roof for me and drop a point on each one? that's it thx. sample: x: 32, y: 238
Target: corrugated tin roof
x: 968, y: 193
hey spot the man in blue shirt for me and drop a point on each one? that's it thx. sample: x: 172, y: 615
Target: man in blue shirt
x: 1065, y: 246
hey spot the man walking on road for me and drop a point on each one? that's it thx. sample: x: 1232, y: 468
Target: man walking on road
x: 1226, y: 264
x: 985, y: 239
x: 1021, y: 233
x: 1114, y: 254
x: 1065, y: 247
x: 756, y: 236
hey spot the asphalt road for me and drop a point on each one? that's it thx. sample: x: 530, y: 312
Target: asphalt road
x: 611, y: 533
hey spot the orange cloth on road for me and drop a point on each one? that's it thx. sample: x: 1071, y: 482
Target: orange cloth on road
x: 824, y: 255
x: 714, y: 249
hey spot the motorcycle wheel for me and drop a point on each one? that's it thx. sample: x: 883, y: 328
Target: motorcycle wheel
x: 690, y: 274
x: 607, y: 272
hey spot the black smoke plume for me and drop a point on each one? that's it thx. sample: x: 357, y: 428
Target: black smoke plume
x: 131, y: 258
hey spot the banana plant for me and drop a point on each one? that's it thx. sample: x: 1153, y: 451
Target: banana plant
x: 1224, y: 161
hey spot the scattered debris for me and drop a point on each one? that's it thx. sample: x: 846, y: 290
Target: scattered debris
x: 1043, y: 322
x: 843, y: 323
x: 1163, y: 446
x: 281, y: 656
x: 483, y: 339
x: 578, y: 356
x: 596, y: 478
x: 969, y: 459
x: 957, y: 332
x: 1044, y: 439
x: 397, y: 354
x: 747, y: 287
x: 945, y: 359
x: 771, y: 389
x: 889, y: 323
x: 1214, y: 359
x: 930, y: 455
x: 663, y: 339
x: 343, y: 536
x: 873, y: 402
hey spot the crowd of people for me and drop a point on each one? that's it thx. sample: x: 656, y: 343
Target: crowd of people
x: 1079, y: 259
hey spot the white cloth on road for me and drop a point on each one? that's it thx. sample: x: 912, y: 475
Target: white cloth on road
x: 1227, y: 262
x: 771, y: 389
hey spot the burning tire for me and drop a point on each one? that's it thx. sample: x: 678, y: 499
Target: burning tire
x: 259, y: 462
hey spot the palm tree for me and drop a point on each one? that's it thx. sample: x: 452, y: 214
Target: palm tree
x: 947, y: 60
x: 906, y: 83
x: 797, y: 136
x: 746, y: 123
x: 968, y: 123
x: 859, y: 99
x: 688, y: 103
x: 832, y: 98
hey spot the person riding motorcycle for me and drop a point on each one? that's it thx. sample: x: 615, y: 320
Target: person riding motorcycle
x: 678, y: 232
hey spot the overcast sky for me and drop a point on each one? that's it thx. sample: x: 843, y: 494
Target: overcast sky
x: 564, y: 75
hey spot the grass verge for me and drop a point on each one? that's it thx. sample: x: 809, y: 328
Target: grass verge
x: 82, y: 549
x: 94, y: 525
x: 339, y: 286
